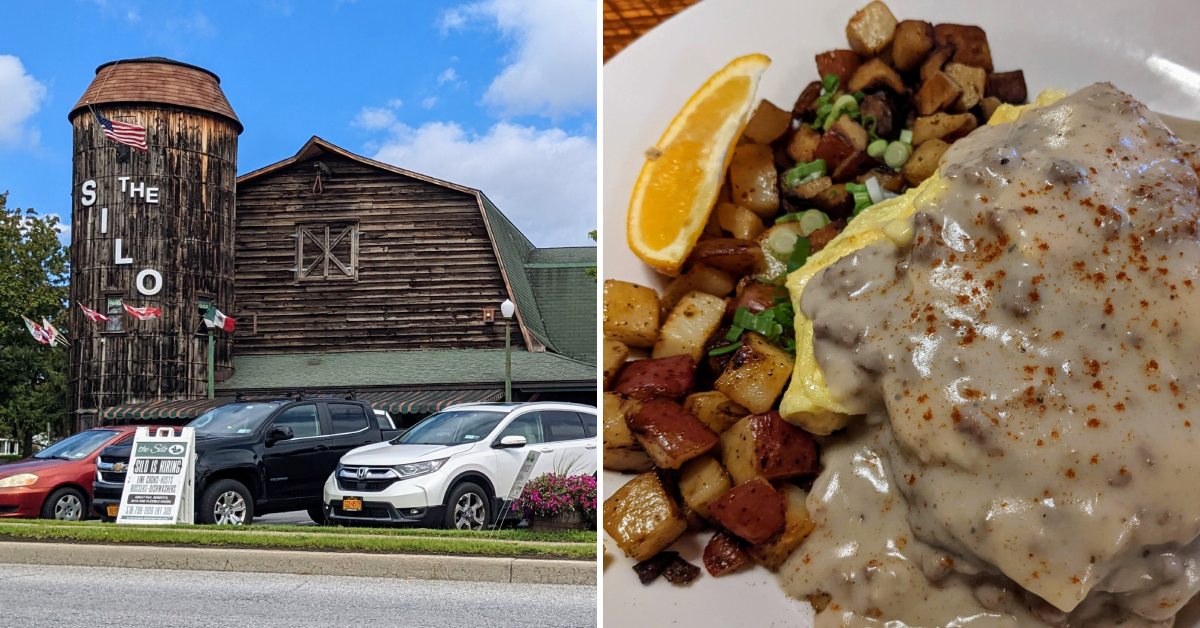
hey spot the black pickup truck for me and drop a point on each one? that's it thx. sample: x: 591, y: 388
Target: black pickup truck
x: 258, y: 457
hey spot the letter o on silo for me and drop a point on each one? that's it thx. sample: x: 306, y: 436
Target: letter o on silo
x: 141, y: 282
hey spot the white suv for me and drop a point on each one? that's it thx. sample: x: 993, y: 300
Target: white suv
x: 456, y: 468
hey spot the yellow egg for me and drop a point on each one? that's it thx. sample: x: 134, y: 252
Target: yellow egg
x: 808, y: 402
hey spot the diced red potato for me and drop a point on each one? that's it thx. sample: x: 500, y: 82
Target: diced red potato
x: 871, y: 29
x: 764, y: 445
x: 808, y: 97
x: 702, y: 480
x: 768, y: 123
x: 842, y: 63
x: 972, y: 81
x: 988, y: 106
x: 615, y: 355
x: 753, y: 295
x: 942, y: 126
x: 714, y: 409
x: 911, y: 44
x: 803, y: 145
x: 834, y: 147
x: 669, y: 433
x: 937, y: 93
x: 880, y: 106
x: 969, y: 41
x: 642, y: 517
x: 875, y: 74
x: 671, y: 378
x: 699, y: 277
x: 738, y: 221
x: 857, y: 163
x: 693, y: 320
x: 820, y: 238
x: 621, y: 450
x: 797, y: 526
x: 1007, y: 87
x: 630, y: 313
x: 757, y: 374
x: 810, y: 189
x: 753, y: 180
x: 754, y: 511
x: 724, y: 554
x: 936, y: 60
x: 731, y: 255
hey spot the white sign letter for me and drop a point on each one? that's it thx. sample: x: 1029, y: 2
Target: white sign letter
x: 123, y: 181
x: 89, y: 192
x: 104, y: 220
x: 141, y: 282
x: 152, y: 195
x: 118, y: 257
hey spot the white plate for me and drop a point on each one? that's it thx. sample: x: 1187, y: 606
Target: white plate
x: 1146, y: 48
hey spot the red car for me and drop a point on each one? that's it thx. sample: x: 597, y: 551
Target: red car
x: 56, y: 483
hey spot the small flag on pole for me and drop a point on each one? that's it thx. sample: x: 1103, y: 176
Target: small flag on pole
x: 214, y: 319
x: 37, y: 332
x: 127, y: 133
x: 92, y: 315
x: 142, y: 313
x: 56, y: 337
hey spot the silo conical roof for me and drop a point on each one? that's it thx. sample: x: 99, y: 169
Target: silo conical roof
x: 157, y: 80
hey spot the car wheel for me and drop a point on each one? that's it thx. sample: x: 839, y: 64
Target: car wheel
x: 467, y: 507
x: 65, y: 504
x: 317, y: 514
x: 227, y: 502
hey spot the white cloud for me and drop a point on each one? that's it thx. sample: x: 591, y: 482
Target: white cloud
x: 21, y: 96
x: 543, y: 180
x: 375, y: 118
x: 429, y: 102
x: 447, y: 76
x: 395, y: 103
x: 551, y: 70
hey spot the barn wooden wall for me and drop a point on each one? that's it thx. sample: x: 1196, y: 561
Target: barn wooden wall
x: 187, y: 236
x: 426, y: 266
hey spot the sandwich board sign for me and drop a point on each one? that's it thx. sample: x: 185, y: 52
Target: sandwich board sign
x: 518, y: 485
x: 161, y: 478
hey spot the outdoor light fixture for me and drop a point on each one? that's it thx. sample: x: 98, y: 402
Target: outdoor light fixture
x: 507, y: 309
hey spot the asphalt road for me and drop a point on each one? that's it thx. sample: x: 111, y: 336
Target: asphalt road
x: 66, y: 597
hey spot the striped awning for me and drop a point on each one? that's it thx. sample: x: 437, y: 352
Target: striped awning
x: 159, y: 410
x: 425, y: 401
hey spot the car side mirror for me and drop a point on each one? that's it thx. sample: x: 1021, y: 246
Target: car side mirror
x: 280, y: 433
x: 510, y: 442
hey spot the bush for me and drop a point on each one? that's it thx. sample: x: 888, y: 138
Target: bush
x: 8, y: 459
x: 554, y: 494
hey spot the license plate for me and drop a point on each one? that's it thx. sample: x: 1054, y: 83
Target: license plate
x: 113, y: 509
x: 352, y: 504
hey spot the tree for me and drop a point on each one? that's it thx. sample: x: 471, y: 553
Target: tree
x: 33, y: 283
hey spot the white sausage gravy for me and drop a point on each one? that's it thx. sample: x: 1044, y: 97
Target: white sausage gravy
x: 1027, y: 368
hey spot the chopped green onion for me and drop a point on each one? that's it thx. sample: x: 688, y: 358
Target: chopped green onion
x: 862, y: 198
x: 830, y: 83
x: 868, y: 123
x: 897, y: 154
x: 875, y: 149
x: 735, y: 332
x: 790, y: 217
x: 799, y: 254
x: 781, y: 242
x: 845, y: 102
x: 859, y: 96
x: 800, y: 172
x: 906, y: 136
x: 811, y: 220
x: 727, y: 349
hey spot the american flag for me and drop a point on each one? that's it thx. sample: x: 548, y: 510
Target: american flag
x: 92, y: 315
x: 132, y: 135
x: 142, y: 313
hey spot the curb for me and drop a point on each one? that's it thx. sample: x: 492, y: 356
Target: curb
x: 409, y: 566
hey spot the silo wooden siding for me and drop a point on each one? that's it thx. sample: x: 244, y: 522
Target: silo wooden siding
x: 426, y: 265
x: 187, y: 236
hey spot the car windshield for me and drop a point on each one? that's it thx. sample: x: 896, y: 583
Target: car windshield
x: 234, y: 419
x: 77, y: 446
x: 452, y: 428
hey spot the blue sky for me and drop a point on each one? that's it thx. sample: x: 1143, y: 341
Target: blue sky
x: 494, y: 94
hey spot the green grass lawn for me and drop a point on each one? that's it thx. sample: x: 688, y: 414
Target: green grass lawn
x: 505, y: 543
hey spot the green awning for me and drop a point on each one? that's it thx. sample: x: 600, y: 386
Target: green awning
x: 159, y: 410
x: 425, y: 401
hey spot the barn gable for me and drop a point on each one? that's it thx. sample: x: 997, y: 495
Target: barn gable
x: 337, y: 252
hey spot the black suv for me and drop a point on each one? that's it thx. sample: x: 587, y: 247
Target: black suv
x: 258, y: 457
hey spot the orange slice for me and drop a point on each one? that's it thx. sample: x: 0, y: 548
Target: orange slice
x: 682, y: 176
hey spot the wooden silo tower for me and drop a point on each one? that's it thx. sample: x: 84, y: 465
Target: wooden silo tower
x: 151, y: 228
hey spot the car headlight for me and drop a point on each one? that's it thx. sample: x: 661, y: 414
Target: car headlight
x: 414, y: 469
x: 20, y: 479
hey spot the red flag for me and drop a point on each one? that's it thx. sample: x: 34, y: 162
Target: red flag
x: 142, y: 313
x: 92, y: 315
x: 39, y: 334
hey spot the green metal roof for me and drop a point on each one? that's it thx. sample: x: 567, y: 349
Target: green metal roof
x: 566, y: 298
x: 361, y: 369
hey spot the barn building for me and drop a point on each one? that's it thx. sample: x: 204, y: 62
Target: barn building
x: 346, y: 276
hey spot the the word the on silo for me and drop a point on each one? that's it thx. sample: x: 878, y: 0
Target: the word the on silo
x: 152, y: 228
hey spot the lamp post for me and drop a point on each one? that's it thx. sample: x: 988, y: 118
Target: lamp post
x: 507, y: 309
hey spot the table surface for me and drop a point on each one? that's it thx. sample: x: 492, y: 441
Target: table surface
x: 626, y: 20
